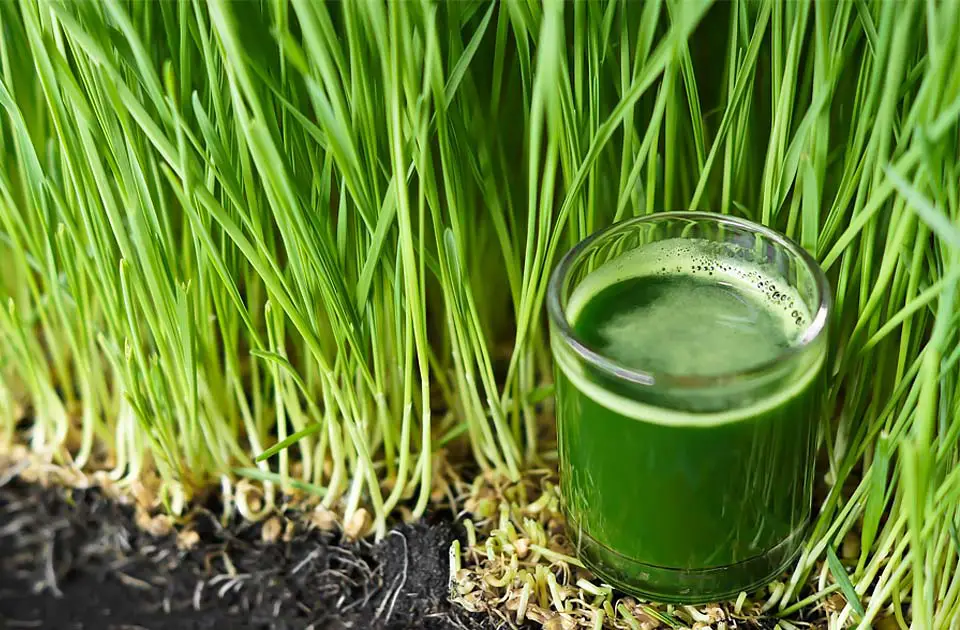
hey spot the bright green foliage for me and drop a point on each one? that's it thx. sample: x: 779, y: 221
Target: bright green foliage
x: 225, y: 225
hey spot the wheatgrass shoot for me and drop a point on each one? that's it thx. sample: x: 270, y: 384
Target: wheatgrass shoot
x: 302, y: 248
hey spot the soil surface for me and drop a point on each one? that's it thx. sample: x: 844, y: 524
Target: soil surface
x: 74, y: 560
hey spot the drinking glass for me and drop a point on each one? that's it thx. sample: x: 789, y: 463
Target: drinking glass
x: 685, y: 487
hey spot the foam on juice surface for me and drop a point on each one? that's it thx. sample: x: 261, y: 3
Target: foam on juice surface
x: 684, y: 325
x: 686, y: 307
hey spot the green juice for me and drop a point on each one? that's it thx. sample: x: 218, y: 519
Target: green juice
x: 695, y: 490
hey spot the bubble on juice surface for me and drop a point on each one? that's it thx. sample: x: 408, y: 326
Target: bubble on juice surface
x: 720, y: 262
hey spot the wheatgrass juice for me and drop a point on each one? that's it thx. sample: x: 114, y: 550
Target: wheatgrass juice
x: 686, y: 454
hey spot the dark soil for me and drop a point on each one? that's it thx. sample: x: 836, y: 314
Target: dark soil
x: 75, y: 560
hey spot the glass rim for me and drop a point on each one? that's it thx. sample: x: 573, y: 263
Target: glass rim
x: 814, y: 330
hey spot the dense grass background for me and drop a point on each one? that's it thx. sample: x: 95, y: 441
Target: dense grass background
x: 228, y: 225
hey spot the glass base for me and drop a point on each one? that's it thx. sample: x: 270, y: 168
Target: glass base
x: 683, y: 586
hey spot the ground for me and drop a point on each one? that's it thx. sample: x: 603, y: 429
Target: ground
x: 74, y: 560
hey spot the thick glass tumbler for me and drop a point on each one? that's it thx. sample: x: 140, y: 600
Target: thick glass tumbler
x: 690, y: 352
